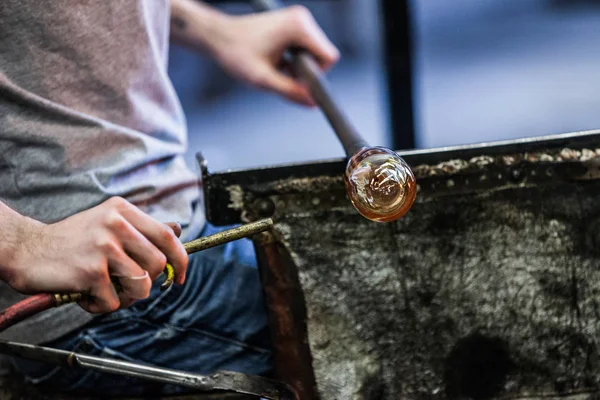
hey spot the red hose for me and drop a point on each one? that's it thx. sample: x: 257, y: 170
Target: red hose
x: 25, y: 309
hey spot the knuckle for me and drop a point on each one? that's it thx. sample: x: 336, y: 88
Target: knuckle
x: 107, y: 245
x: 301, y: 18
x: 115, y: 221
x: 167, y: 236
x: 119, y: 204
x: 115, y: 202
x: 300, y: 13
x: 96, y: 272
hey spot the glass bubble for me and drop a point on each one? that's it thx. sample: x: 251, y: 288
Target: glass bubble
x: 380, y: 184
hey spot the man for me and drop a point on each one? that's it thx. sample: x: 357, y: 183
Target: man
x: 91, y: 171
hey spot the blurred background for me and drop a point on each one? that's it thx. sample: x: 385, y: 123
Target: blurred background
x: 413, y: 74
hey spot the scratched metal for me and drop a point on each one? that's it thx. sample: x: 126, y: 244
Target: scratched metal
x: 466, y: 297
x: 487, y: 289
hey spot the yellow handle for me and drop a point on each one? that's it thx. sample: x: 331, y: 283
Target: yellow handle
x: 170, y: 273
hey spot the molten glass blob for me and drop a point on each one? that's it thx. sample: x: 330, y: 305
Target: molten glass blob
x: 380, y: 184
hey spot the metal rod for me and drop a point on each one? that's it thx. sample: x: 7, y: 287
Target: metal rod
x: 218, y: 239
x: 307, y: 68
x: 229, y: 235
x: 221, y: 380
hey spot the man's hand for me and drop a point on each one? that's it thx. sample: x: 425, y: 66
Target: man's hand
x: 82, y: 252
x: 251, y: 47
x: 254, y: 45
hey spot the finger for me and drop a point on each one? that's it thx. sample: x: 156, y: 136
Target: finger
x: 126, y: 302
x: 304, y: 32
x: 162, y: 237
x: 286, y: 86
x: 145, y: 254
x: 135, y: 282
x: 324, y: 57
x: 135, y: 287
x: 291, y: 89
x: 102, y: 298
x: 175, y: 227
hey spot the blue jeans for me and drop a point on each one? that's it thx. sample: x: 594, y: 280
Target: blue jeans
x: 215, y: 321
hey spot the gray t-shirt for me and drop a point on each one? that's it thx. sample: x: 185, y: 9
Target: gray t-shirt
x: 87, y: 112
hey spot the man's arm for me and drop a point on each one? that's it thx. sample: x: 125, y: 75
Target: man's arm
x: 82, y: 252
x: 16, y: 230
x: 250, y: 47
x: 197, y: 25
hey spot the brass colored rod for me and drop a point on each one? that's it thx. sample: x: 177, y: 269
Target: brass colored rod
x: 229, y: 235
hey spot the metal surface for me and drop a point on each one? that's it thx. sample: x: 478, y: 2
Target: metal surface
x: 486, y: 289
x: 307, y: 68
x: 221, y: 380
x: 287, y: 317
x: 62, y: 299
x: 231, y: 196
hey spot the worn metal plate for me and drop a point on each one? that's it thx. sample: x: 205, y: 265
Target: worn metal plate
x: 488, y: 288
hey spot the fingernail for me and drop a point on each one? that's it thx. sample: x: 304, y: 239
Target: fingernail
x: 131, y: 290
x: 144, y: 276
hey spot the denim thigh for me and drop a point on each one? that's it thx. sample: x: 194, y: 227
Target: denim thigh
x: 215, y: 321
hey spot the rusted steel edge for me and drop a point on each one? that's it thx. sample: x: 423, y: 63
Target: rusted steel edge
x: 287, y: 316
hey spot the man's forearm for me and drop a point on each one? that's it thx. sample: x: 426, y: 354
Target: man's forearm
x: 13, y: 231
x: 198, y: 25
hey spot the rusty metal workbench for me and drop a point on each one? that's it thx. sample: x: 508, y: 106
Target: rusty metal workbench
x: 488, y: 288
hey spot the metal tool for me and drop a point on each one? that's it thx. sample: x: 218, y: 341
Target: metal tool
x: 305, y: 65
x: 379, y: 183
x: 43, y: 301
x: 218, y: 239
x: 219, y: 381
